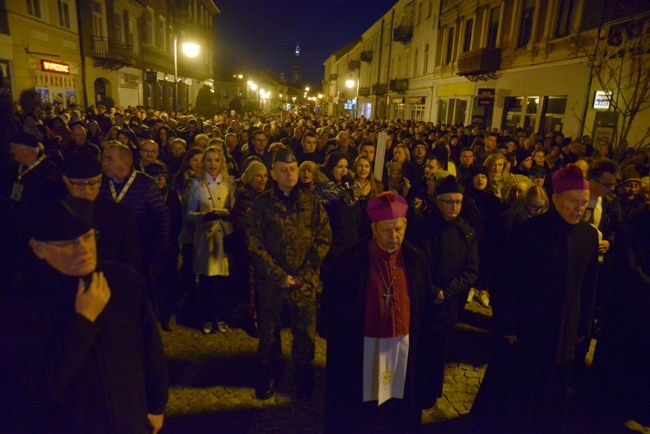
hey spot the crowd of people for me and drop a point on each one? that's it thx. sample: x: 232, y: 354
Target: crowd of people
x: 260, y: 212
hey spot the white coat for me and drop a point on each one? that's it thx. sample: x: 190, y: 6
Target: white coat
x: 210, y: 258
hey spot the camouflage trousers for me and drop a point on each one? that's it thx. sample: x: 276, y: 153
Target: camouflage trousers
x: 301, y: 302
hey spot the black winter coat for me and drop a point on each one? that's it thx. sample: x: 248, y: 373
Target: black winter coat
x: 452, y: 253
x: 60, y: 373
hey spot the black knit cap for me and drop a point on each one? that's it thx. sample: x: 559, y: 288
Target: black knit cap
x: 479, y: 170
x: 449, y: 185
x: 82, y: 164
x: 48, y: 216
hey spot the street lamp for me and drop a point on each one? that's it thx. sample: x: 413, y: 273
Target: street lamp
x: 190, y: 49
x: 250, y: 85
x: 350, y: 83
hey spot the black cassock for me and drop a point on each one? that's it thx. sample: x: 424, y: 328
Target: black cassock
x: 545, y: 295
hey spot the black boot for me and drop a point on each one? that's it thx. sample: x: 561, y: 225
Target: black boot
x: 304, y: 380
x: 267, y: 381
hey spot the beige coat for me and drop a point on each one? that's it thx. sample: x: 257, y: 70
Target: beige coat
x: 207, y: 195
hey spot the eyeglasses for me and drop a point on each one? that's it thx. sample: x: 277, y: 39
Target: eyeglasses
x: 609, y: 186
x: 536, y: 208
x: 70, y: 245
x: 451, y: 202
x: 80, y: 185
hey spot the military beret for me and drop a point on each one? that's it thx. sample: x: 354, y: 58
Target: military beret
x: 284, y: 155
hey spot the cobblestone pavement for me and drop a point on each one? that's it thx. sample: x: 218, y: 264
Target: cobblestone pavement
x: 212, y: 384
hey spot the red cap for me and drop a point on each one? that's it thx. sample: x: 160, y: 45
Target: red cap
x: 569, y: 178
x: 387, y: 206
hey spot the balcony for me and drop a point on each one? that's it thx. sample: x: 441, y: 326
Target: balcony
x: 400, y: 85
x: 111, y: 54
x: 403, y: 34
x: 354, y: 65
x: 481, y: 64
x: 366, y: 56
x: 379, y: 89
x: 364, y: 91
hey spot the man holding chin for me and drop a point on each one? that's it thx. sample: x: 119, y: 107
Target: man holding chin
x: 80, y: 351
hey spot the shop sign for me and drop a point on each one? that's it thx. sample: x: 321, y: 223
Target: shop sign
x: 397, y: 100
x: 602, y: 100
x: 415, y: 100
x: 59, y: 68
x: 485, y: 97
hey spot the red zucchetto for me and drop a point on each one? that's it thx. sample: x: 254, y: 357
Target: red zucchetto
x: 387, y: 206
x: 569, y: 178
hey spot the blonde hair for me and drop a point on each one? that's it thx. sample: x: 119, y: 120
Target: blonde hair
x: 224, y: 167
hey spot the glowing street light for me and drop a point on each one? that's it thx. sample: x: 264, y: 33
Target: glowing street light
x: 190, y: 49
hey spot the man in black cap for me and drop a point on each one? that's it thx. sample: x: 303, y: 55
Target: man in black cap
x: 34, y: 168
x: 288, y: 235
x: 80, y: 350
x: 82, y: 174
x: 450, y: 246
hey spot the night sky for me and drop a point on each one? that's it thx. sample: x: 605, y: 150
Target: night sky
x: 252, y: 35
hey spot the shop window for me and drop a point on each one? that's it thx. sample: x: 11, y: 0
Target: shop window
x: 417, y: 112
x: 530, y: 118
x: 565, y: 18
x: 512, y: 113
x: 526, y: 23
x: 399, y: 111
x: 34, y: 8
x: 553, y: 111
x: 64, y: 13
x: 452, y: 111
x: 493, y: 29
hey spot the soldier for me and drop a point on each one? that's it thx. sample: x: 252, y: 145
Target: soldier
x: 288, y: 235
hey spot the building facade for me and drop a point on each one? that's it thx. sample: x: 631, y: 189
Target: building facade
x: 507, y: 64
x: 115, y: 52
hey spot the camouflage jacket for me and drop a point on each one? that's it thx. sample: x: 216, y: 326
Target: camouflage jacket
x: 287, y: 236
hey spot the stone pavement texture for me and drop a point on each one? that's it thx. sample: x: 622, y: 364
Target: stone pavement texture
x: 212, y: 384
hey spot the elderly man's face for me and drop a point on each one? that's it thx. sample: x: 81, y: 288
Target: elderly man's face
x: 79, y: 134
x: 571, y: 205
x: 86, y: 188
x: 449, y: 205
x: 77, y: 257
x: 389, y: 234
x: 149, y: 151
